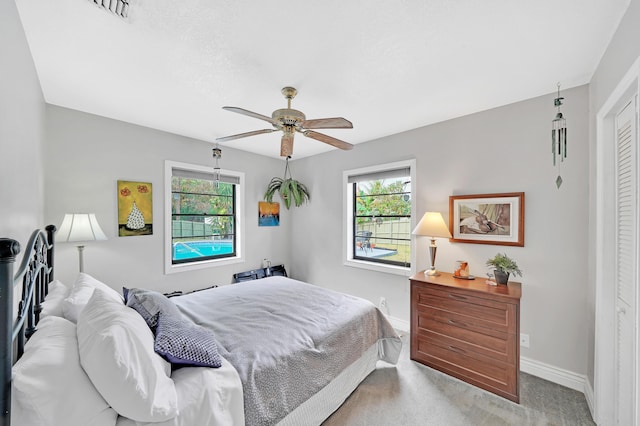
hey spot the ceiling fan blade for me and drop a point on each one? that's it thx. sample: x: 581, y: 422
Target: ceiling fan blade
x: 244, y: 135
x: 286, y: 144
x: 327, y: 139
x: 251, y: 114
x: 327, y: 123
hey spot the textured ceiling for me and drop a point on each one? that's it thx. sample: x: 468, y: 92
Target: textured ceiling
x: 387, y: 66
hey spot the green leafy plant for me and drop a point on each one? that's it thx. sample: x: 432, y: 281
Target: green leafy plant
x: 502, y: 262
x: 288, y: 188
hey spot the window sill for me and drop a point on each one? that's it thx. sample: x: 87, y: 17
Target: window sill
x: 387, y: 269
x: 184, y: 267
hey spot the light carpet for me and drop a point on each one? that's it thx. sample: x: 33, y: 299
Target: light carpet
x: 413, y: 394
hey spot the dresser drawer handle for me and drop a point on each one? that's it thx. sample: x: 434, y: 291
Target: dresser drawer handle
x: 456, y: 297
x: 457, y: 323
x: 457, y: 349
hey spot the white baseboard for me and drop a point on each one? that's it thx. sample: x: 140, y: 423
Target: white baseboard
x: 554, y: 374
x: 560, y: 376
x: 589, y: 396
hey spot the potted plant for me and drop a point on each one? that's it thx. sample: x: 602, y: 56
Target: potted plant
x: 503, y: 266
x: 288, y: 188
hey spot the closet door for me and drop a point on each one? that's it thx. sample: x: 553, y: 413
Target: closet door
x: 626, y: 279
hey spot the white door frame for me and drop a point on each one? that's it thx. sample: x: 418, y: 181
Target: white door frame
x: 605, y: 324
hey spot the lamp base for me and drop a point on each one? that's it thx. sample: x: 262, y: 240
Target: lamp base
x: 432, y: 272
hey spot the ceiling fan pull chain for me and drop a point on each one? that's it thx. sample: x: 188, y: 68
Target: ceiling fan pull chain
x: 287, y: 171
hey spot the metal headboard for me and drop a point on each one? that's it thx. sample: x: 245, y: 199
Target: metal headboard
x: 35, y: 273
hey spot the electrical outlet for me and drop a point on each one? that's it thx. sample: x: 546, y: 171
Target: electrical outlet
x: 524, y: 340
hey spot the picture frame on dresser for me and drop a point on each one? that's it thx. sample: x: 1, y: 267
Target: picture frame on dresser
x: 496, y: 219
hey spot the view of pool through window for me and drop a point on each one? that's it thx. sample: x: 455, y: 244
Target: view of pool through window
x: 198, y: 249
x: 382, y: 220
x: 203, y: 217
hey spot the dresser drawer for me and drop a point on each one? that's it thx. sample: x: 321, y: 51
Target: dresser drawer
x: 484, y: 371
x: 477, y: 311
x: 456, y: 332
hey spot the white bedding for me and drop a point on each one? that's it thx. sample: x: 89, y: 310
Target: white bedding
x: 206, y: 396
x: 216, y: 396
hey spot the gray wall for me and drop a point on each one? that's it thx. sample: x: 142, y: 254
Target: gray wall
x: 21, y: 130
x: 505, y: 149
x: 87, y: 155
x: 621, y: 53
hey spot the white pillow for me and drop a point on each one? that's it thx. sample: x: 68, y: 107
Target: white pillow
x: 81, y: 293
x: 50, y: 387
x: 116, y: 351
x: 52, y: 305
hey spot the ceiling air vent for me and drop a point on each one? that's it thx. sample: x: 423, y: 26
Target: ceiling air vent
x: 118, y: 7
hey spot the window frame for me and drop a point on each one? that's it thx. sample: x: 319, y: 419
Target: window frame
x: 169, y: 266
x: 348, y: 215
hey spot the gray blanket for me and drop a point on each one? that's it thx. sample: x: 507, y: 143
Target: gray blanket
x: 288, y: 339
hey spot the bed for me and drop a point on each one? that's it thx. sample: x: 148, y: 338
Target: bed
x: 264, y: 352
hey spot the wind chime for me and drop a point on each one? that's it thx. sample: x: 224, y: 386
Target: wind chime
x: 559, y: 137
x: 217, y: 154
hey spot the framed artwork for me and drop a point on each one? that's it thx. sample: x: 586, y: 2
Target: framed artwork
x: 268, y: 214
x: 487, y: 218
x: 135, y: 208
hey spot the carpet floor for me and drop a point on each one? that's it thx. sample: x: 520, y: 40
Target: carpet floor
x: 413, y: 394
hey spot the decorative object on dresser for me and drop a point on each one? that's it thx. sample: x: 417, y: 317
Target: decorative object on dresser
x: 487, y: 218
x: 432, y: 225
x: 462, y: 270
x: 503, y: 266
x: 469, y: 330
x: 80, y: 228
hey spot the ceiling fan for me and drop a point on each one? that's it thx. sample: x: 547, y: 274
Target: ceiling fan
x: 289, y: 121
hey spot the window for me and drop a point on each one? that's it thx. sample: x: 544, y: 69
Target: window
x: 203, y: 217
x: 379, y: 211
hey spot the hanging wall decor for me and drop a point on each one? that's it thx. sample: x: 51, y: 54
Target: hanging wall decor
x: 558, y: 137
x: 135, y: 208
x: 217, y: 155
x: 268, y: 214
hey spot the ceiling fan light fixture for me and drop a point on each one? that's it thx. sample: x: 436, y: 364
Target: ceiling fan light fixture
x: 289, y: 121
x: 288, y: 117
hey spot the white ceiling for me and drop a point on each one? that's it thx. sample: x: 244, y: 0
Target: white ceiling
x: 387, y: 66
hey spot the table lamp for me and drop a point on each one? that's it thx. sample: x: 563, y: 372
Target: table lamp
x: 80, y: 227
x: 432, y: 225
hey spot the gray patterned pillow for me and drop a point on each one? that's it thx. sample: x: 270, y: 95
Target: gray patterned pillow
x: 149, y: 304
x: 177, y: 339
x: 183, y: 342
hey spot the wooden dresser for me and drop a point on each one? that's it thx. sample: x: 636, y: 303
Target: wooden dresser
x: 468, y: 329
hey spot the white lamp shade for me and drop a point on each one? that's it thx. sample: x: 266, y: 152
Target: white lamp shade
x: 432, y: 225
x: 80, y: 227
